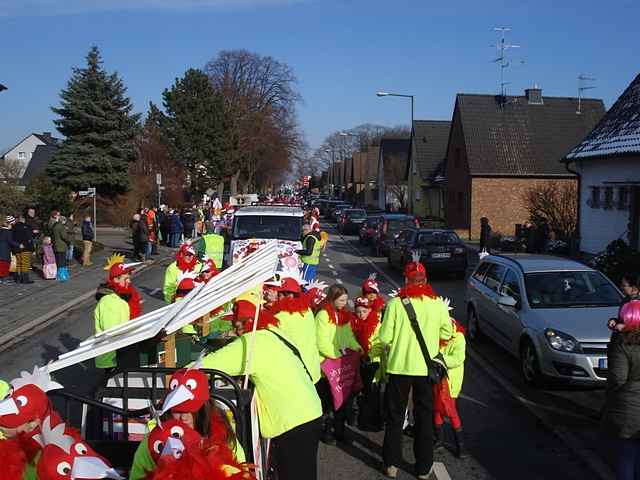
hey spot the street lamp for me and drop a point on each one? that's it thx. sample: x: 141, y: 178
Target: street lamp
x: 387, y: 94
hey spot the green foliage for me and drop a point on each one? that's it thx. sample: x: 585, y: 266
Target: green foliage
x: 200, y: 132
x: 96, y: 119
x: 44, y: 195
x: 619, y: 258
x: 12, y: 200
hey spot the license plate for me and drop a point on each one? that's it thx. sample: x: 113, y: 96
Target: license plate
x: 440, y: 255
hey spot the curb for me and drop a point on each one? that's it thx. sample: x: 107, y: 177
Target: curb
x: 16, y: 336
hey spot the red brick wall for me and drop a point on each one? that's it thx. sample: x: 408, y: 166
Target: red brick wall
x: 500, y: 200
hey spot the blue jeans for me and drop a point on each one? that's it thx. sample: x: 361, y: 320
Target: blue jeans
x: 70, y: 248
x: 309, y: 272
x: 627, y: 459
x: 174, y: 240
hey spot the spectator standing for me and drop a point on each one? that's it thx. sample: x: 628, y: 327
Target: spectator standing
x: 36, y: 227
x: 163, y: 225
x: 60, y: 239
x: 188, y: 223
x: 139, y: 237
x: 485, y: 234
x: 71, y: 233
x: 175, y: 229
x: 6, y: 244
x: 541, y: 236
x: 621, y: 416
x: 152, y: 226
x: 23, y: 236
x: 87, y: 241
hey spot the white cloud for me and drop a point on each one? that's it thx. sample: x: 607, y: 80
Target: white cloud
x: 69, y: 7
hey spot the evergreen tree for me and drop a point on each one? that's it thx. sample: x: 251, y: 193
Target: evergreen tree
x: 199, y: 130
x: 96, y: 119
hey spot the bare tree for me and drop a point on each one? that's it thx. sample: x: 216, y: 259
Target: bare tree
x: 261, y: 92
x: 557, y: 202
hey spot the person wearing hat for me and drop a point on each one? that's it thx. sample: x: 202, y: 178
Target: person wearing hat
x: 310, y: 252
x: 189, y: 402
x: 118, y: 302
x: 186, y: 261
x: 371, y: 291
x: 7, y: 243
x: 23, y: 235
x: 407, y: 368
x: 289, y: 409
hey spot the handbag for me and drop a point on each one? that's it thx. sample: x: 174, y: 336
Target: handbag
x: 436, y: 369
x: 49, y: 271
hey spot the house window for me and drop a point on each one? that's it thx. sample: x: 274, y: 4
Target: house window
x: 623, y: 198
x: 22, y: 156
x: 594, y: 201
x: 608, y: 198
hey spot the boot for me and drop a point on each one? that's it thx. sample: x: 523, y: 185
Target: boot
x: 460, y: 451
x: 340, y: 431
x: 438, y: 444
x: 26, y: 278
x: 327, y: 432
x: 19, y: 277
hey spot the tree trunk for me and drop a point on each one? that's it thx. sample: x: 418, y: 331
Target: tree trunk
x: 234, y: 183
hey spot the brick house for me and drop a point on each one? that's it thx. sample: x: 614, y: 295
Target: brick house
x: 500, y: 146
x: 607, y: 162
x: 392, y: 174
x: 426, y: 161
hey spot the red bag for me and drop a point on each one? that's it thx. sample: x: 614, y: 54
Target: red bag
x: 343, y: 375
x: 442, y: 401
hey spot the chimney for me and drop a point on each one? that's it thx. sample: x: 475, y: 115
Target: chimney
x: 534, y: 95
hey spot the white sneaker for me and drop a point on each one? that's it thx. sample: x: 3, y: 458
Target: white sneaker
x: 391, y: 471
x: 427, y: 476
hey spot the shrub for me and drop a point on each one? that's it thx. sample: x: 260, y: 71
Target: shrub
x: 619, y: 258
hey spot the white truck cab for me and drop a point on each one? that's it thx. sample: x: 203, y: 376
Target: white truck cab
x: 253, y: 226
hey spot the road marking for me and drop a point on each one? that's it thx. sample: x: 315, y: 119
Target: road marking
x: 330, y: 266
x: 154, y: 291
x: 571, y: 440
x: 339, y: 281
x: 335, y: 274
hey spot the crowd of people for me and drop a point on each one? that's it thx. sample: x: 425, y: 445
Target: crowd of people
x: 25, y: 238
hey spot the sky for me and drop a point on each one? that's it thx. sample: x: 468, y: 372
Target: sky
x: 342, y: 51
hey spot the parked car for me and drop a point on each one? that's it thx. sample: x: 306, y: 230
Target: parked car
x: 440, y: 250
x: 337, y: 211
x: 549, y: 312
x: 390, y: 225
x: 433, y: 222
x: 326, y: 205
x: 351, y: 220
x: 368, y: 229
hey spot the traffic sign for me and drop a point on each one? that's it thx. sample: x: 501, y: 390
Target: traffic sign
x: 158, y: 179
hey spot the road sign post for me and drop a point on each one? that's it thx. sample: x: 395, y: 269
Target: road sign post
x: 159, y: 184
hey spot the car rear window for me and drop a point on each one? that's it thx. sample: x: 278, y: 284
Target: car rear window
x: 356, y: 213
x: 438, y: 238
x: 394, y: 226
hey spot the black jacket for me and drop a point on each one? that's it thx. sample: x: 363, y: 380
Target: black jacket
x: 309, y: 250
x: 87, y: 230
x: 22, y: 234
x: 6, y: 244
x: 139, y: 231
x: 621, y: 416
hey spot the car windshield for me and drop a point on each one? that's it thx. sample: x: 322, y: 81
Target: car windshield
x: 397, y: 225
x: 356, y: 213
x: 267, y: 226
x: 438, y: 238
x: 570, y: 289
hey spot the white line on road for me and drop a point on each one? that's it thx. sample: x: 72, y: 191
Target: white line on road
x: 330, y: 266
x: 154, y: 291
x: 335, y: 274
x: 339, y: 281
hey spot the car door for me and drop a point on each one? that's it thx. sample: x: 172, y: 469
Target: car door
x: 507, y: 319
x: 488, y: 301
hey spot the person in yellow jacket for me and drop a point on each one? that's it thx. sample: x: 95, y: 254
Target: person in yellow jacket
x: 186, y: 261
x: 118, y: 302
x: 407, y: 368
x: 289, y: 409
x: 310, y: 253
x: 446, y: 392
x: 296, y: 320
x: 214, y: 248
x: 334, y: 337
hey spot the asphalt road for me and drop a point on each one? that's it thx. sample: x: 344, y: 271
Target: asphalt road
x: 512, y: 431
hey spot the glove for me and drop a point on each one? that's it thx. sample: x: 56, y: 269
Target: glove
x: 394, y: 293
x: 447, y: 302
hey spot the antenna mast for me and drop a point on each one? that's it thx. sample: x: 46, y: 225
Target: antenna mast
x: 502, y: 60
x: 582, y: 86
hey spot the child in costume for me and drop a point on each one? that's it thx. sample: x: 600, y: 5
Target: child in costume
x: 371, y: 291
x: 447, y: 391
x: 186, y: 261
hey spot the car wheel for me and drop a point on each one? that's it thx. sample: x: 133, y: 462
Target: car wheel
x: 529, y: 364
x: 473, y: 326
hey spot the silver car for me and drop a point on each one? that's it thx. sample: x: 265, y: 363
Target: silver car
x: 549, y: 312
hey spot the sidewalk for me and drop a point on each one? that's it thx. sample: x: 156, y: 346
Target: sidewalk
x: 21, y: 305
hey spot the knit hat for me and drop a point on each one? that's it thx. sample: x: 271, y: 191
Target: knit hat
x: 414, y: 270
x: 363, y: 302
x: 370, y: 285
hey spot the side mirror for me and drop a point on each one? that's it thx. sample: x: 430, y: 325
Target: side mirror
x: 507, y: 301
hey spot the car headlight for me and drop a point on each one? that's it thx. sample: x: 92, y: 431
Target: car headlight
x: 562, y: 342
